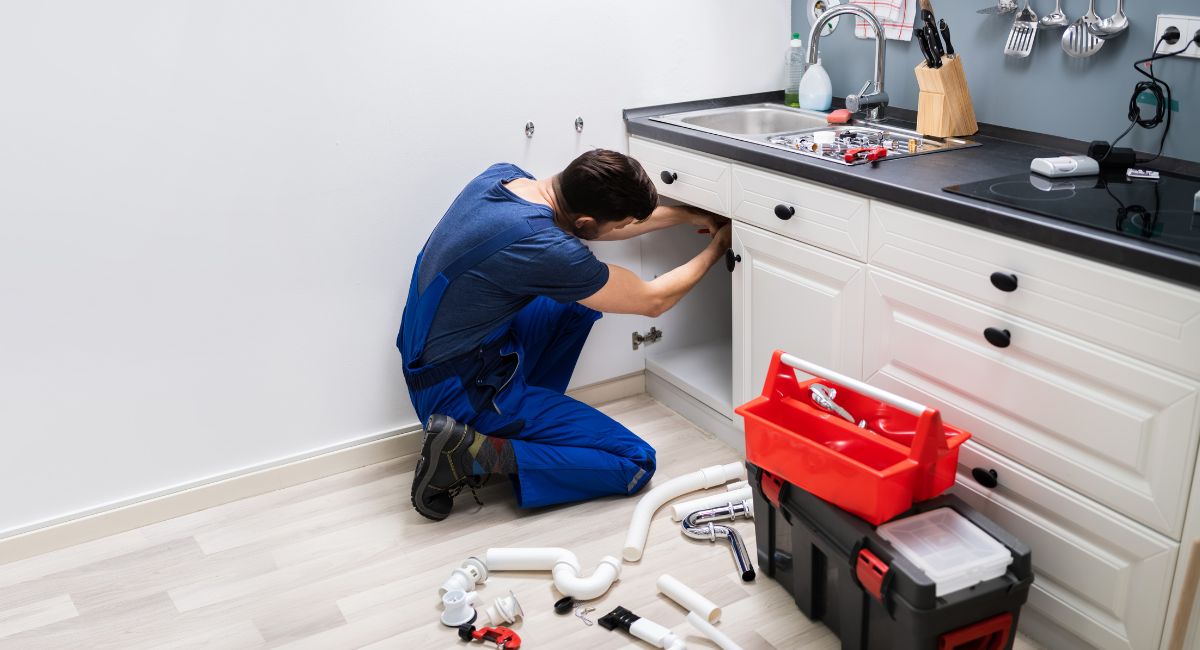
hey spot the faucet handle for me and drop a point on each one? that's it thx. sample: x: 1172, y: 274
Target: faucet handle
x: 854, y: 102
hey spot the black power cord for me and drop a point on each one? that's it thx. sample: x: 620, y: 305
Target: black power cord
x: 1161, y: 92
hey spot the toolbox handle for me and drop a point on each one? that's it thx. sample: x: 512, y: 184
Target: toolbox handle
x: 906, y: 405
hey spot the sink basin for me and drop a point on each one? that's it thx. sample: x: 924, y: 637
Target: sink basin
x: 792, y: 130
x: 758, y: 119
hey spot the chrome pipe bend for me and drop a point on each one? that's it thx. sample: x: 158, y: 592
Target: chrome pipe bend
x: 700, y: 525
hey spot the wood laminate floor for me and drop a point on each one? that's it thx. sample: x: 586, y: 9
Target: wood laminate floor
x: 344, y: 562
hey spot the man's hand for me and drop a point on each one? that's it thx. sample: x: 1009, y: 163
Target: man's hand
x: 702, y: 219
x: 723, y: 236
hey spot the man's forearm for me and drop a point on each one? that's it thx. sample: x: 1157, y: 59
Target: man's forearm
x: 673, y: 285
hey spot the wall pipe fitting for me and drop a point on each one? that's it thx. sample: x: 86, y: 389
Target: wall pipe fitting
x: 563, y: 565
x: 639, y: 526
x: 699, y: 525
x: 464, y: 578
x: 681, y: 510
x: 688, y: 598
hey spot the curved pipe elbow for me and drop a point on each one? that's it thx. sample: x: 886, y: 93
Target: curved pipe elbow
x: 569, y: 582
x: 639, y: 525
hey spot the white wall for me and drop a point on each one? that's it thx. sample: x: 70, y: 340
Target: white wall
x: 210, y: 209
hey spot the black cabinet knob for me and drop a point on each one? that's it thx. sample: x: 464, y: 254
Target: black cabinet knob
x: 731, y: 260
x: 785, y: 212
x: 1004, y: 281
x: 997, y: 337
x: 668, y: 177
x: 985, y: 477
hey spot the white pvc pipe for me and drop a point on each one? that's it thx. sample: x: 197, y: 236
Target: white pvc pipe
x: 737, y: 485
x: 565, y: 568
x: 689, y: 598
x: 681, y: 510
x: 639, y: 526
x: 656, y: 635
x: 705, y: 628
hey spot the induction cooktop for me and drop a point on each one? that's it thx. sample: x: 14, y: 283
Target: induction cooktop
x: 1155, y: 211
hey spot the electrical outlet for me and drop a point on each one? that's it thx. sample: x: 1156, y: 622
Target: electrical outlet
x: 1187, y: 26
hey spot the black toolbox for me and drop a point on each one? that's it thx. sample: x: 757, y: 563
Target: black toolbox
x: 842, y: 573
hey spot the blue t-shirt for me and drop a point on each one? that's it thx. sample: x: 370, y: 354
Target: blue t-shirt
x: 549, y: 263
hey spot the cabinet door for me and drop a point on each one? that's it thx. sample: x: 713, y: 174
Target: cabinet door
x: 793, y: 297
x: 1117, y: 430
x: 1099, y: 576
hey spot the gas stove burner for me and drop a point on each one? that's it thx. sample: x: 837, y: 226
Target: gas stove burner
x: 1022, y: 190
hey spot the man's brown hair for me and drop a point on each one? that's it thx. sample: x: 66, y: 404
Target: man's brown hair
x: 607, y: 186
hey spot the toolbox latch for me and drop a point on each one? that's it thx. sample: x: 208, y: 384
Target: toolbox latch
x: 871, y: 572
x: 771, y: 487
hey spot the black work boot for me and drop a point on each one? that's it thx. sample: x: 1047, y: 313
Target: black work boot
x: 440, y: 476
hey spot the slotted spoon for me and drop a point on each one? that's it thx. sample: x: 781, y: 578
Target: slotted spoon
x: 1078, y: 41
x: 1023, y: 33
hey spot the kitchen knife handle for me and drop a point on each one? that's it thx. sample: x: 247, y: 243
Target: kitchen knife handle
x: 946, y: 37
x: 924, y: 43
x: 935, y: 43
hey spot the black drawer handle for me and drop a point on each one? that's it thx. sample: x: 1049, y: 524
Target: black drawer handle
x: 785, y: 212
x: 731, y: 260
x: 997, y: 337
x: 1004, y: 281
x: 668, y: 177
x: 985, y: 477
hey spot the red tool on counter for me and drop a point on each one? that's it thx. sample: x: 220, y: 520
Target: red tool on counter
x: 504, y: 638
x: 871, y: 153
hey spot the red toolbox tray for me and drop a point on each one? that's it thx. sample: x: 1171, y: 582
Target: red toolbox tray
x: 907, y: 455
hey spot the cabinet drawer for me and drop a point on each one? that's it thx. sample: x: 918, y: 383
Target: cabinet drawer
x: 1099, y: 576
x: 1143, y: 317
x: 831, y: 219
x: 698, y: 180
x: 1113, y: 428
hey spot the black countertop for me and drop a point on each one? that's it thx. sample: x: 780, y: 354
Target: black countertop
x: 917, y: 183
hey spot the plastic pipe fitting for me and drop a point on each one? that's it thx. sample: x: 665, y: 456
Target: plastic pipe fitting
x: 505, y: 611
x: 457, y: 608
x: 688, y: 598
x: 472, y: 572
x: 639, y: 526
x: 562, y: 564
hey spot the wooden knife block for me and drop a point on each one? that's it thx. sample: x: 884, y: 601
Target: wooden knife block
x: 944, y: 108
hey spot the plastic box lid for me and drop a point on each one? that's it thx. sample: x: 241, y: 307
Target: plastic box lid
x: 951, y: 550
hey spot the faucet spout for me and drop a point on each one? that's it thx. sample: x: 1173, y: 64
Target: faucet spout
x: 876, y: 99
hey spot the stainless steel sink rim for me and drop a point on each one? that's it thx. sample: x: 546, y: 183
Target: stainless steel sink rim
x: 687, y: 120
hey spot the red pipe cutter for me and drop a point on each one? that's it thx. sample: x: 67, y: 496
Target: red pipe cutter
x: 504, y: 638
x: 872, y: 153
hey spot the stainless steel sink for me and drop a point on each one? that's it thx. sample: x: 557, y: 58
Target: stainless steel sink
x: 792, y: 129
x: 758, y: 119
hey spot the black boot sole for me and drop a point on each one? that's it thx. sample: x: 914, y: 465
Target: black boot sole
x: 431, y: 450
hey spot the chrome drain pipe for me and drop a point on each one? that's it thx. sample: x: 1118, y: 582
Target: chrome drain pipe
x: 700, y: 525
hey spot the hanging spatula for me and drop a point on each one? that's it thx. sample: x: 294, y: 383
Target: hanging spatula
x: 1078, y: 41
x: 1023, y: 33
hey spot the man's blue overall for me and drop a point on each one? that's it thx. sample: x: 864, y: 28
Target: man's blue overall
x: 512, y: 386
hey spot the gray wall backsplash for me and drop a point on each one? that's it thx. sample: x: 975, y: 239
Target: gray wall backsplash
x: 1048, y: 92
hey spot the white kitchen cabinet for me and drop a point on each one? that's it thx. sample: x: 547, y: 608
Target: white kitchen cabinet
x: 1090, y: 414
x: 1115, y: 429
x: 1140, y: 316
x: 694, y: 178
x: 827, y: 218
x: 1098, y: 575
x: 793, y: 297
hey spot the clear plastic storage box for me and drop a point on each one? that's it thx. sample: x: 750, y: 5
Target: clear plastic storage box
x: 951, y: 550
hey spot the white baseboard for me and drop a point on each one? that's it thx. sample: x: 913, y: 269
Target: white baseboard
x: 180, y: 500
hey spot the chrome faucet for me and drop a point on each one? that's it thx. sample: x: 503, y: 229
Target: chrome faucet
x: 873, y: 102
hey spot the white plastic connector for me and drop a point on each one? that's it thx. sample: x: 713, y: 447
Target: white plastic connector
x: 656, y: 635
x: 737, y: 485
x: 472, y: 572
x: 567, y: 572
x: 688, y: 598
x: 505, y: 611
x: 457, y: 607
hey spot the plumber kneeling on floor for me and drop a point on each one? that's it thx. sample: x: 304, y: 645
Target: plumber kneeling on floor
x: 502, y: 298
